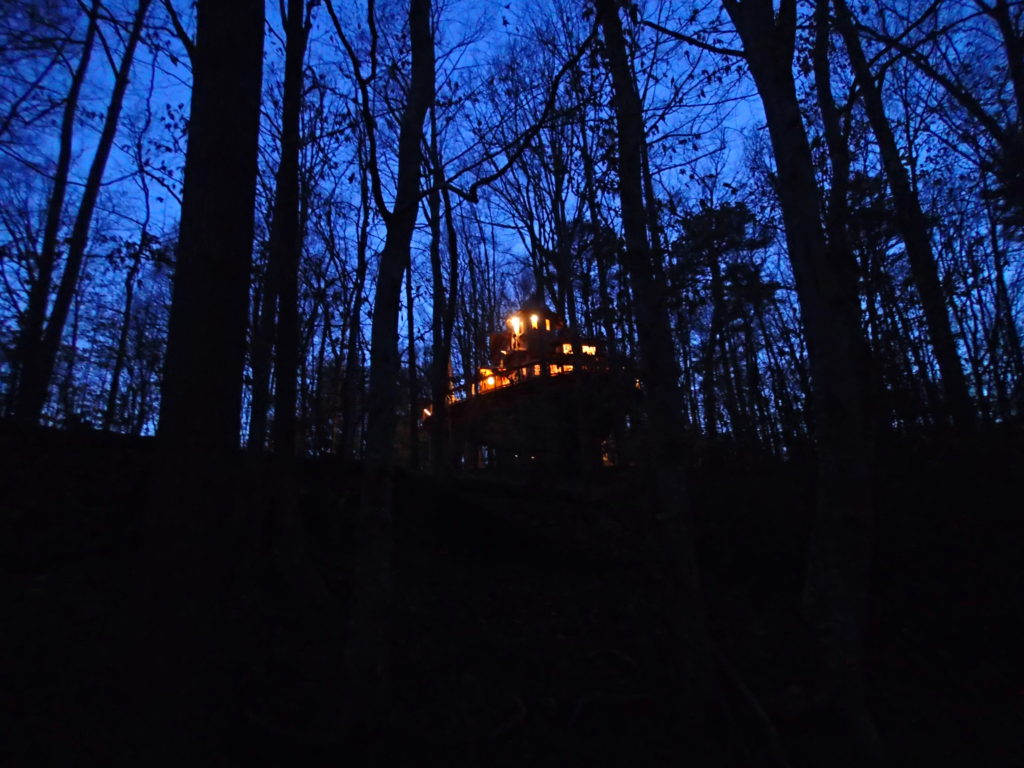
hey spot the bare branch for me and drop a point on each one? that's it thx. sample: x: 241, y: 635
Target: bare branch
x: 179, y: 30
x: 364, y: 93
x: 692, y: 40
x: 524, y: 141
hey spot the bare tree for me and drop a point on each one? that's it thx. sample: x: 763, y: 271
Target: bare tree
x: 836, y: 592
x: 38, y: 368
x: 366, y: 656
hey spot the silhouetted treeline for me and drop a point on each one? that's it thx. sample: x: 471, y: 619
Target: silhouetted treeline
x: 799, y: 223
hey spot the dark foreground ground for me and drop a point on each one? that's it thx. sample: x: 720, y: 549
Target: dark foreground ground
x: 528, y: 627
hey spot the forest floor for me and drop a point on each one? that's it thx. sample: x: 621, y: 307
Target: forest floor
x: 528, y: 631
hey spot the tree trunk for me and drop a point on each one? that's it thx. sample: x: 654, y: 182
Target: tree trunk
x: 37, y: 376
x: 443, y: 312
x: 659, y: 372
x: 29, y: 354
x: 353, y: 370
x: 262, y: 351
x: 29, y: 357
x: 287, y: 537
x: 188, y: 552
x: 122, y: 337
x: 708, y: 362
x: 914, y: 228
x: 836, y: 589
x: 286, y: 234
x: 413, y: 416
x: 367, y: 654
x: 440, y: 424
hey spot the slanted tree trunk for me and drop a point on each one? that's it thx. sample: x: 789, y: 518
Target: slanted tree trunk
x: 39, y: 368
x: 121, y: 353
x: 28, y: 356
x: 367, y: 653
x: 913, y: 227
x: 836, y: 589
x: 837, y: 211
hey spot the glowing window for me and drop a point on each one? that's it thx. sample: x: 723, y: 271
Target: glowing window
x: 547, y: 323
x: 589, y: 349
x: 536, y: 370
x: 567, y: 349
x: 516, y: 324
x: 566, y: 369
x: 534, y: 321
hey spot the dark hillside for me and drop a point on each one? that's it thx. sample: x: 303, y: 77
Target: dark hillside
x: 529, y: 629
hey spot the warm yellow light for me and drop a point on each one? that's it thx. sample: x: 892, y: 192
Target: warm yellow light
x: 486, y: 371
x: 566, y: 369
x: 547, y: 323
x: 589, y: 349
x: 535, y: 321
x: 567, y: 349
x: 516, y: 324
x: 490, y: 381
x: 426, y: 413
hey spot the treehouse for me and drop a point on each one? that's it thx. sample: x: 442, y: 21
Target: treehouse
x: 548, y: 397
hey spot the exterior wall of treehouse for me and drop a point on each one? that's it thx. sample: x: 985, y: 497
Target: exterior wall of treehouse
x: 548, y: 421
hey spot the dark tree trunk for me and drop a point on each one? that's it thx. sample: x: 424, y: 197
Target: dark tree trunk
x: 658, y: 369
x: 914, y: 228
x: 261, y: 357
x: 188, y: 551
x: 287, y: 538
x: 440, y: 423
x: 836, y: 592
x: 1005, y: 325
x: 367, y: 654
x: 30, y: 340
x: 413, y: 416
x: 286, y: 235
x: 708, y: 362
x: 351, y: 384
x: 39, y: 370
x: 201, y: 394
x: 600, y: 247
x: 443, y: 312
x: 1013, y: 43
x: 122, y: 338
x: 837, y: 211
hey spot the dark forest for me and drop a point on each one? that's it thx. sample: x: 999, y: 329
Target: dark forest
x: 512, y: 382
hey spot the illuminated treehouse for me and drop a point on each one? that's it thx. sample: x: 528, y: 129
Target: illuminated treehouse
x: 548, y: 397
